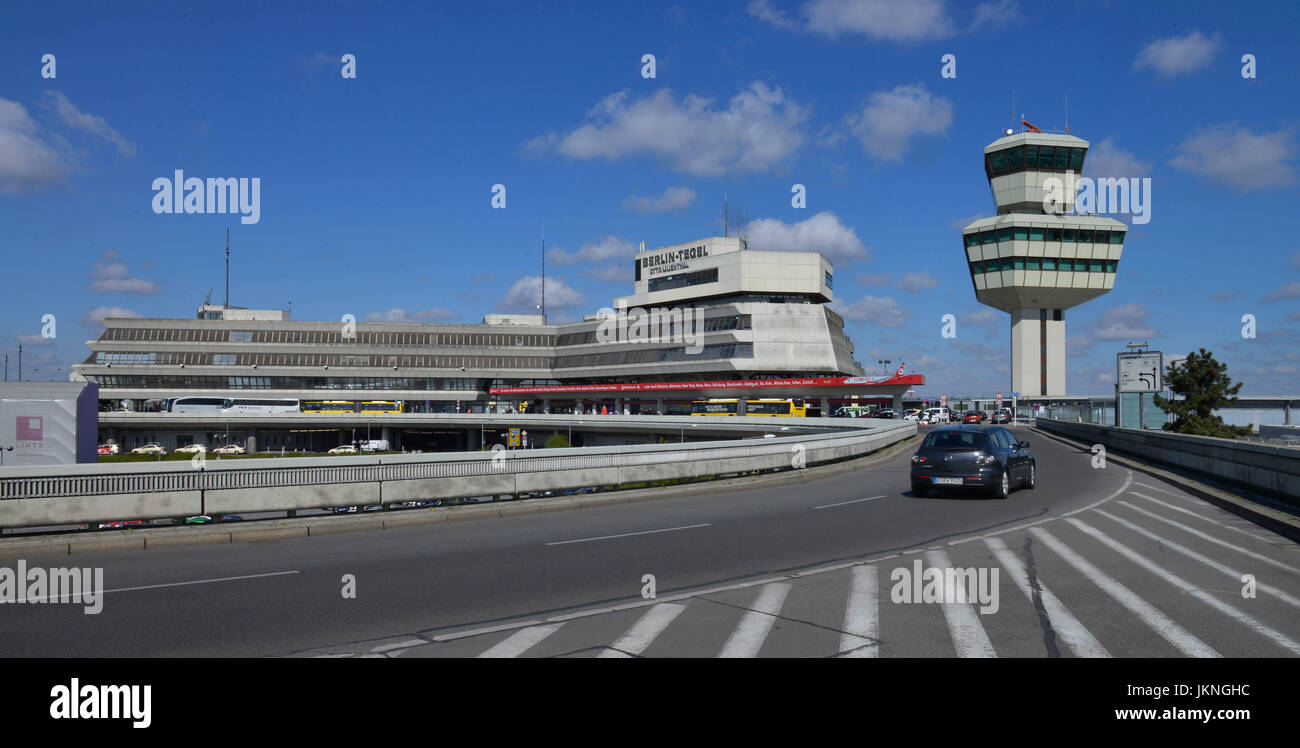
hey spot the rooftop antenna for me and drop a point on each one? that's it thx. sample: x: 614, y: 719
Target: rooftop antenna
x: 227, y: 268
x: 208, y: 299
x: 726, y: 223
x: 543, y: 269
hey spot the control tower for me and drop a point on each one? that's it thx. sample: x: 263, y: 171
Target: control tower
x: 1033, y: 261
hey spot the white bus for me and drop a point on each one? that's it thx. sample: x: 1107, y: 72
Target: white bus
x: 198, y: 404
x: 258, y: 405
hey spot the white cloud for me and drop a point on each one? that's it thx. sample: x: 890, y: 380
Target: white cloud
x: 905, y: 20
x: 914, y: 282
x: 891, y: 118
x: 1232, y: 154
x: 95, y: 125
x: 1176, y: 55
x: 763, y: 11
x: 822, y: 233
x: 674, y: 198
x: 1106, y: 160
x: 877, y: 310
x: 26, y: 162
x: 876, y: 279
x: 34, y: 339
x: 396, y: 314
x: 758, y: 129
x: 604, y: 248
x: 987, y: 318
x: 1124, y: 322
x: 526, y: 294
x: 111, y: 276
x: 1289, y: 291
x: 994, y: 14
x: 611, y: 274
x: 99, y: 313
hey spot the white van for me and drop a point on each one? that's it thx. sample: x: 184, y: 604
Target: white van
x: 937, y: 415
x: 374, y: 445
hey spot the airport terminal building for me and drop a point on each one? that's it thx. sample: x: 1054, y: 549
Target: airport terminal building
x: 708, y: 319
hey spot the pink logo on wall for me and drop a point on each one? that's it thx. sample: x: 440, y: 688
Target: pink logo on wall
x: 29, y: 429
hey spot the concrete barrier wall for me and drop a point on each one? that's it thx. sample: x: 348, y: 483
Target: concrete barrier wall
x: 1269, y: 469
x: 96, y: 493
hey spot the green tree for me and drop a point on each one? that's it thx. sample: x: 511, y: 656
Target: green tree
x: 557, y: 441
x: 1205, y: 386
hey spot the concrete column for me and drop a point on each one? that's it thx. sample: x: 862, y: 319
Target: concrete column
x: 897, y: 405
x: 618, y: 406
x: 577, y: 406
x: 546, y: 406
x: 825, y: 407
x: 251, y: 443
x: 659, y: 407
x: 740, y: 406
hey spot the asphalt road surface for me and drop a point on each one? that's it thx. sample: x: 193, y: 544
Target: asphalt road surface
x: 1092, y: 562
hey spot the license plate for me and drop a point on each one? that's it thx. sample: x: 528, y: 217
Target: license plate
x: 947, y: 481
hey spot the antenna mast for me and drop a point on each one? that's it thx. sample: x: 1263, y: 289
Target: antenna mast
x: 227, y: 268
x: 726, y: 222
x: 543, y: 269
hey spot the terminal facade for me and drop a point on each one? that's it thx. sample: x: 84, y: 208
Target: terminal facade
x: 728, y: 322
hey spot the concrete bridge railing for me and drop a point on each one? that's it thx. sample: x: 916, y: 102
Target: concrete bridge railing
x: 74, y: 494
x: 1265, y: 468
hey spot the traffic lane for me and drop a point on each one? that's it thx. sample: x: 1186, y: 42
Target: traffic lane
x: 439, y: 576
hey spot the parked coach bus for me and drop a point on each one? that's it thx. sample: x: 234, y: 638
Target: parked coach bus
x: 761, y: 407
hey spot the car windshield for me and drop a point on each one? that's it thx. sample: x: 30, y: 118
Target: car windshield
x: 955, y: 440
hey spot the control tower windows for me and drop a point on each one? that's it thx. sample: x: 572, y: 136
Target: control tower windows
x: 1033, y: 157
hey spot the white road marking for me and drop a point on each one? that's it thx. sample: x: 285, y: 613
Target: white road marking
x: 1128, y: 480
x: 1167, y: 505
x: 480, y: 632
x: 1176, y: 635
x: 862, y: 616
x: 1071, y: 631
x: 170, y: 584
x: 399, y: 645
x: 644, y: 631
x: 629, y: 534
x: 1198, y: 557
x: 754, y: 626
x: 854, y: 501
x: 1210, y: 538
x: 521, y: 641
x: 963, y: 622
x: 1199, y: 594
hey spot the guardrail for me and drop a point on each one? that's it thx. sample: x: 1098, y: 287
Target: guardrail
x: 74, y: 494
x: 1265, y: 468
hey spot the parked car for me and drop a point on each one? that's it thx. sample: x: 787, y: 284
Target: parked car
x: 972, y: 416
x: 230, y: 449
x: 122, y: 525
x: 193, y: 449
x: 109, y: 449
x: 207, y: 519
x: 1003, y: 415
x: 937, y: 415
x: 885, y: 414
x: 961, y: 456
x: 149, y: 449
x: 343, y: 449
x: 912, y: 415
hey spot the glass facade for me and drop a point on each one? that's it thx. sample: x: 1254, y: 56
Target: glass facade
x: 1033, y: 158
x: 1062, y: 264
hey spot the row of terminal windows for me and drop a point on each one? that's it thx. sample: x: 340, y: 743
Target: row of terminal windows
x: 1038, y: 234
x: 1062, y: 264
x: 656, y: 355
x: 716, y: 324
x: 285, y: 383
x: 176, y: 358
x: 317, y: 337
x: 1035, y: 157
x: 682, y: 280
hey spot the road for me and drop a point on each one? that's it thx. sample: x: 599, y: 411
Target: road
x: 1092, y: 562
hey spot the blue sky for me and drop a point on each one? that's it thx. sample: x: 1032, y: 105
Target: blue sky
x: 376, y: 191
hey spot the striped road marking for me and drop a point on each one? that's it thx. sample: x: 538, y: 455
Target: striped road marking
x: 1159, y: 622
x: 521, y: 641
x: 644, y: 631
x: 862, y: 617
x: 748, y: 637
x: 963, y: 622
x: 1210, y: 538
x: 1199, y: 594
x: 1071, y: 631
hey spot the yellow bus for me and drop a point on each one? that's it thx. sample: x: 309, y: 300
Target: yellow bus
x: 380, y: 406
x: 351, y: 406
x: 760, y: 407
